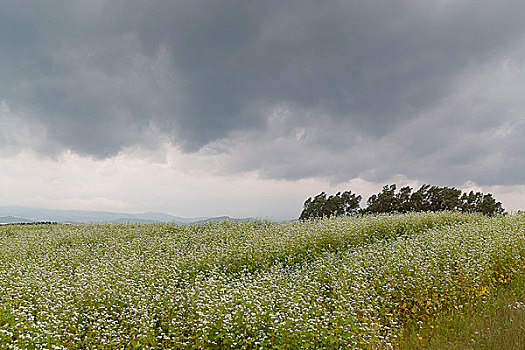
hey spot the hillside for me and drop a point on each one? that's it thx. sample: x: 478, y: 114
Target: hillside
x: 348, y: 282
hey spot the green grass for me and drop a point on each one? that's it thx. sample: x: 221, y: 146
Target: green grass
x: 498, y: 323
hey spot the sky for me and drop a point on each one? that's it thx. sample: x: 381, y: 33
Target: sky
x: 247, y: 108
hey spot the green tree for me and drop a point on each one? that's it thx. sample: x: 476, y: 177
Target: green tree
x: 426, y: 198
x: 431, y: 198
x: 482, y: 203
x: 471, y: 201
x: 444, y: 198
x: 384, y: 202
x: 342, y: 203
x: 419, y: 200
x: 404, y: 200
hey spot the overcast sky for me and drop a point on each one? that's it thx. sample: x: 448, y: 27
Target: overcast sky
x: 246, y: 108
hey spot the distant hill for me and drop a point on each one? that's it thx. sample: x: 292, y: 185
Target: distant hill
x: 14, y: 220
x: 215, y: 219
x: 220, y: 218
x: 19, y: 214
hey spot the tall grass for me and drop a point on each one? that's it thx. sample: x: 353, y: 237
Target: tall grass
x: 497, y: 323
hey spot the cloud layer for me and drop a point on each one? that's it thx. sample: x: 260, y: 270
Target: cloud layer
x: 289, y: 89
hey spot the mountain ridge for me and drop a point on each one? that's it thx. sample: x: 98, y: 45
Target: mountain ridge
x: 10, y: 214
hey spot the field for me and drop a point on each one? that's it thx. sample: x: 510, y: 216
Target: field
x: 339, y: 282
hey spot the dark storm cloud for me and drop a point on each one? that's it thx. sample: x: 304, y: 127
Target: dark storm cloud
x: 352, y: 77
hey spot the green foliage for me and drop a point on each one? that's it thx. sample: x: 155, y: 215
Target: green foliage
x: 340, y: 204
x: 431, y: 198
x: 426, y: 199
x: 479, y: 202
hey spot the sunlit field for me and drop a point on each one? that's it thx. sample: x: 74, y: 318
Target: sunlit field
x: 340, y: 282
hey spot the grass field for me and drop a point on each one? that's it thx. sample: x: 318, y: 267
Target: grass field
x: 497, y: 323
x: 346, y: 282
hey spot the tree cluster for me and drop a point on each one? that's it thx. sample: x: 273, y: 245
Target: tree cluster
x: 391, y: 200
x: 346, y: 203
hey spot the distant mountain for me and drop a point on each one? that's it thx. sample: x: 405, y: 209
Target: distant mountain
x: 14, y: 220
x: 161, y: 217
x: 136, y: 221
x: 19, y: 214
x: 83, y: 216
x: 220, y: 218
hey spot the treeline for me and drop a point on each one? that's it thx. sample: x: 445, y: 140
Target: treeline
x: 391, y: 200
x: 31, y: 223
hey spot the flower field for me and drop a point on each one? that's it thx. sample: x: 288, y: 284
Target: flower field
x: 339, y: 282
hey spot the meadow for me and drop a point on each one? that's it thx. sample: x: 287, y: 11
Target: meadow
x: 354, y: 282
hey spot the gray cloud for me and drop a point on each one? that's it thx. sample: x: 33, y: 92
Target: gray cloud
x: 292, y: 89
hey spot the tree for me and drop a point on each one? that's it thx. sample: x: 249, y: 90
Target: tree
x: 431, y: 198
x: 471, y: 201
x: 384, y: 202
x: 404, y: 200
x: 426, y: 198
x: 489, y: 206
x: 345, y: 203
x: 419, y: 200
x: 482, y: 203
x: 444, y: 198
